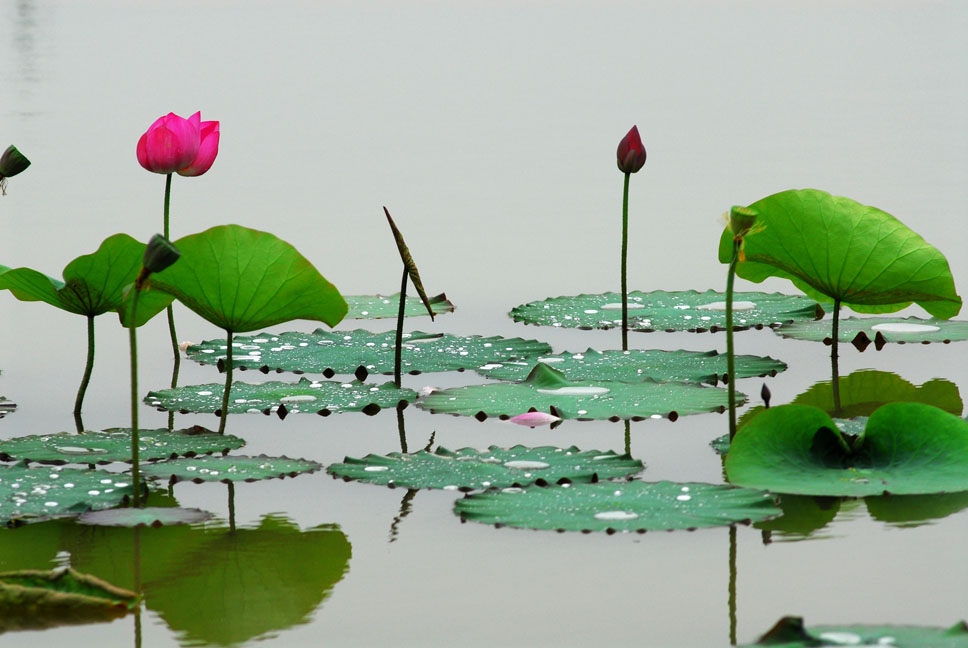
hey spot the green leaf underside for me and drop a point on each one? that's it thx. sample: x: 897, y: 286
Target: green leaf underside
x: 583, y: 400
x: 115, y: 445
x: 229, y: 468
x: 150, y: 516
x: 37, y: 493
x: 832, y: 247
x: 344, y: 352
x: 624, y: 506
x: 636, y: 365
x: 386, y: 306
x: 789, y: 632
x: 906, y: 449
x: 668, y: 311
x: 862, y: 331
x: 470, y: 469
x: 241, y: 279
x: 35, y: 600
x: 321, y: 397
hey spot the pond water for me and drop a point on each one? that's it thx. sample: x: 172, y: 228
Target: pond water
x: 489, y: 131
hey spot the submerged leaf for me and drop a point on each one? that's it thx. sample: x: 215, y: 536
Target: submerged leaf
x: 28, y: 494
x: 384, y: 306
x: 862, y: 332
x: 229, y: 468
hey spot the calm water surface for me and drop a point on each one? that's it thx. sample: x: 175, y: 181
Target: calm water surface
x: 489, y: 131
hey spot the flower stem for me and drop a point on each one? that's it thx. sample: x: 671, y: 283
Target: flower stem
x: 176, y: 366
x: 625, y: 252
x: 228, y: 383
x: 88, y: 368
x: 135, y: 441
x: 397, y: 356
x: 834, y: 358
x: 730, y: 360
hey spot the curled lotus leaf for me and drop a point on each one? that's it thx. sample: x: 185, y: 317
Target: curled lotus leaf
x: 28, y: 494
x: 470, y: 469
x: 230, y: 468
x: 905, y: 449
x: 153, y: 516
x: 668, y: 311
x: 115, y: 445
x: 623, y: 506
x: 789, y: 632
x: 362, y: 352
x: 282, y: 398
x: 547, y: 390
x: 386, y: 306
x: 879, y: 331
x: 637, y: 365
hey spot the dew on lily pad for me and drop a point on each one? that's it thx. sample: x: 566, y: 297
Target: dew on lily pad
x: 386, y: 306
x: 230, y: 468
x: 863, y: 332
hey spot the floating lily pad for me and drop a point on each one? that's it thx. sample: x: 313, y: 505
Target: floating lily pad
x: 28, y: 494
x: 906, y: 449
x: 6, y: 407
x: 364, y: 352
x: 385, y: 306
x: 115, y: 445
x: 148, y: 516
x: 668, y: 311
x: 230, y: 468
x: 790, y: 633
x: 633, y: 366
x: 470, y: 469
x: 626, y: 506
x: 864, y: 331
x: 547, y: 390
x: 282, y: 398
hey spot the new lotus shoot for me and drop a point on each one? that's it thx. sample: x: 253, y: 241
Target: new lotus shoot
x: 741, y: 222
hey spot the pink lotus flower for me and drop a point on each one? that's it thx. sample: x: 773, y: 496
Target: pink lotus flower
x: 176, y: 145
x: 533, y: 419
x: 631, y: 152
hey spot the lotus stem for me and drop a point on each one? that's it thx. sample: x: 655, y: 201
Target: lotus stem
x: 397, y: 356
x: 231, y: 506
x: 628, y: 437
x: 85, y: 381
x: 176, y: 366
x: 732, y: 585
x: 135, y: 441
x: 401, y: 430
x: 730, y: 360
x: 834, y: 358
x: 228, y: 382
x: 625, y: 252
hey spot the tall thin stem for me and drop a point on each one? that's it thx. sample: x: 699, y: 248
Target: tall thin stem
x: 625, y: 253
x: 232, y: 506
x: 176, y: 366
x: 834, y: 357
x: 732, y: 585
x: 401, y: 430
x: 88, y: 368
x: 228, y: 383
x: 397, y: 356
x: 135, y: 441
x: 628, y: 438
x: 730, y: 360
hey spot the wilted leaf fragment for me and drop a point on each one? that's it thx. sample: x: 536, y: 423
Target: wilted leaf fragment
x: 230, y: 468
x: 789, y: 632
x: 153, y: 516
x: 618, y: 506
x: 864, y: 331
x: 470, y: 469
x: 385, y: 306
x: 28, y: 494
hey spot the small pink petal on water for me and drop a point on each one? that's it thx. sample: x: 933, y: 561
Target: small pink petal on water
x: 532, y: 419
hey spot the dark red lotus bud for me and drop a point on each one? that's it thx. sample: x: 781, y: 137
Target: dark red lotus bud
x: 631, y: 152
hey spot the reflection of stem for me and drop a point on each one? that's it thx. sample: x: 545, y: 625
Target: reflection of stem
x: 228, y: 382
x: 232, y: 506
x: 834, y: 368
x: 732, y: 585
x: 401, y: 430
x: 405, y: 508
x: 628, y: 438
x: 137, y: 585
x: 87, y: 375
x: 625, y: 252
x: 133, y: 341
x: 730, y: 361
x: 397, y: 359
x: 171, y: 313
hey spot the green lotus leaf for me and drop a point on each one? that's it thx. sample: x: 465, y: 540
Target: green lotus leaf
x: 242, y: 279
x: 147, y: 516
x: 230, y: 468
x: 28, y: 494
x: 853, y: 426
x: 633, y: 366
x: 789, y: 632
x: 864, y: 331
x: 832, y: 247
x: 36, y: 600
x: 470, y: 469
x: 364, y: 352
x: 668, y: 311
x: 6, y: 407
x: 623, y: 506
x: 115, y: 445
x: 385, y: 306
x: 282, y: 398
x: 546, y: 389
x: 906, y: 449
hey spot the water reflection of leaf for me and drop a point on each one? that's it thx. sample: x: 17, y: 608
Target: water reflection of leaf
x: 802, y: 516
x: 915, y: 510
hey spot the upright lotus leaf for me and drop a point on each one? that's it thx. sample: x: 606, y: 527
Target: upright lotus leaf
x: 241, y: 279
x: 324, y: 398
x: 905, y: 449
x: 385, y: 306
x: 636, y: 365
x: 659, y: 310
x: 363, y: 352
x: 29, y: 494
x: 470, y: 469
x: 36, y: 600
x: 230, y: 468
x: 115, y: 445
x: 548, y: 390
x: 789, y: 632
x: 862, y: 332
x: 832, y: 247
x: 609, y: 506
